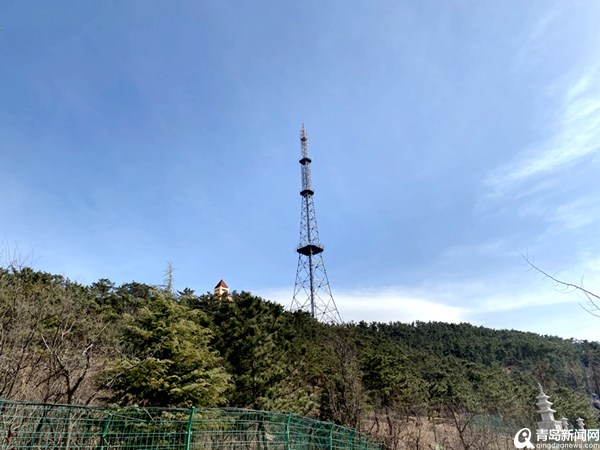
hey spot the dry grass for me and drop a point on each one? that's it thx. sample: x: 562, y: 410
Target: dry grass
x: 456, y: 432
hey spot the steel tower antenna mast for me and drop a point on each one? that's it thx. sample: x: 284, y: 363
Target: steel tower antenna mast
x: 311, y: 292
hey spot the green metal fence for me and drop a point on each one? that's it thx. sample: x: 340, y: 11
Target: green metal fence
x: 25, y: 425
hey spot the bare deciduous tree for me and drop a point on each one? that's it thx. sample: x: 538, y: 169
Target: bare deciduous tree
x: 53, y: 341
x: 347, y: 399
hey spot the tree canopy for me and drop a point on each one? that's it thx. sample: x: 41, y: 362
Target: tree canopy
x: 148, y: 345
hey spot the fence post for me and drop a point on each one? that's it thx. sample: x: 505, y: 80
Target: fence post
x: 287, y: 431
x: 352, y: 439
x: 331, y: 437
x: 188, y: 437
x: 104, y: 431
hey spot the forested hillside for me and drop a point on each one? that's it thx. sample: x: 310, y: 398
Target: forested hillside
x: 146, y: 345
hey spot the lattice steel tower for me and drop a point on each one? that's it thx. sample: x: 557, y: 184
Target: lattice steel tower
x: 312, y: 292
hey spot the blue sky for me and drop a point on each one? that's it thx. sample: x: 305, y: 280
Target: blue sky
x: 446, y: 138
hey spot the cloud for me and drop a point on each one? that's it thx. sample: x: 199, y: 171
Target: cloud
x: 396, y: 306
x: 451, y: 302
x: 497, y: 248
x: 529, y: 53
x: 577, y: 214
x: 572, y: 216
x: 543, y: 310
x: 382, y: 305
x: 577, y: 136
x: 505, y: 302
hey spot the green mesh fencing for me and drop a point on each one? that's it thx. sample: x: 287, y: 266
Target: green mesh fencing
x: 25, y: 425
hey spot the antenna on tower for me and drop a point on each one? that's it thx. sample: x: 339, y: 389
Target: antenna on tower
x: 311, y: 292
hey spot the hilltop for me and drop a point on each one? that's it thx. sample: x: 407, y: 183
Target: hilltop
x: 138, y: 344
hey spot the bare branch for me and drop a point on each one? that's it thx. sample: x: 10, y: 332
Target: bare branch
x: 591, y: 297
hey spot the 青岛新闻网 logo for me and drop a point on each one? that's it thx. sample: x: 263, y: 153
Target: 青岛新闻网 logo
x: 525, y: 433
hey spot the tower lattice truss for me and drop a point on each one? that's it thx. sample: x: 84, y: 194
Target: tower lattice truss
x: 311, y: 292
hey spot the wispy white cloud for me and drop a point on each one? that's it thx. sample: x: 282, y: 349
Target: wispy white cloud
x: 452, y: 302
x: 536, y: 40
x: 544, y: 310
x: 579, y: 213
x: 497, y: 248
x: 383, y: 305
x: 510, y: 301
x: 572, y: 215
x: 577, y: 136
x: 580, y: 86
x: 396, y: 305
